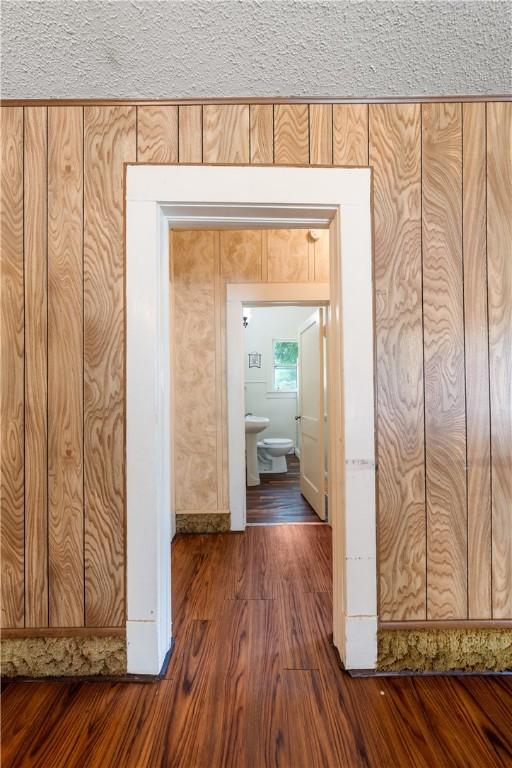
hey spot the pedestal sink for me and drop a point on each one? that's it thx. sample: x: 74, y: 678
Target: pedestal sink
x: 253, y: 426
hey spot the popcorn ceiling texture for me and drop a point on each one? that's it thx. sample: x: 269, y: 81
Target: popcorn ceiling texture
x: 302, y: 48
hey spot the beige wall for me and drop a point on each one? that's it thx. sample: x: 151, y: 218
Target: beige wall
x: 202, y: 262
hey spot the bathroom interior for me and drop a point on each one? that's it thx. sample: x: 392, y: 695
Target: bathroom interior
x: 284, y: 393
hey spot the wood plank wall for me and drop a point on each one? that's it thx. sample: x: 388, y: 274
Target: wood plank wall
x: 443, y: 282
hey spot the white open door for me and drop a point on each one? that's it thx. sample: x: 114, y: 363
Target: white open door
x: 311, y: 412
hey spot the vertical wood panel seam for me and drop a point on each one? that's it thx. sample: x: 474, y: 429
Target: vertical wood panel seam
x: 83, y: 365
x: 424, y: 387
x: 489, y: 356
x: 24, y: 363
x: 47, y: 381
x: 202, y: 134
x: 466, y: 473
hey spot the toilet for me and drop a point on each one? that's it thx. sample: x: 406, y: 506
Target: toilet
x: 272, y: 454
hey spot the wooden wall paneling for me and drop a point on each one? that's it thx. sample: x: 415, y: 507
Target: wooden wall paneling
x: 321, y: 257
x: 445, y: 424
x: 288, y: 255
x: 477, y: 362
x: 350, y: 134
x: 12, y: 366
x: 395, y: 155
x: 35, y: 266
x: 291, y: 134
x: 110, y: 141
x: 226, y: 133
x: 241, y: 255
x: 220, y: 409
x: 65, y: 367
x: 499, y: 256
x: 190, y: 133
x: 157, y: 134
x: 195, y: 452
x: 320, y: 134
x: 261, y: 133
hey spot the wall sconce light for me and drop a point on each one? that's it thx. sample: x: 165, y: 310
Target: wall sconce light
x: 245, y: 321
x: 246, y: 317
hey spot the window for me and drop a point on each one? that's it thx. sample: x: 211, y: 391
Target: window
x: 285, y: 354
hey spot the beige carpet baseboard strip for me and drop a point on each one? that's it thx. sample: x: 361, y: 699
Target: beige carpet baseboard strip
x: 443, y: 650
x: 195, y: 522
x: 63, y: 656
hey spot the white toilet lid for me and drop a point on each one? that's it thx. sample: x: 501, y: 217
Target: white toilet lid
x: 277, y: 441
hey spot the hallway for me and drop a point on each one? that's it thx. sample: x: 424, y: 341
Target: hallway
x: 254, y: 682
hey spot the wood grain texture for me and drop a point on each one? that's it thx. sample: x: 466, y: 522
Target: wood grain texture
x: 291, y: 134
x: 109, y: 133
x: 35, y: 266
x: 261, y: 133
x: 395, y: 155
x: 240, y: 255
x: 157, y: 134
x: 288, y: 255
x: 195, y: 364
x: 229, y: 697
x: 321, y: 257
x: 226, y: 133
x: 278, y: 498
x: 445, y: 427
x: 477, y: 363
x: 65, y: 367
x: 350, y: 133
x: 190, y: 120
x: 499, y: 255
x: 320, y: 134
x: 12, y: 366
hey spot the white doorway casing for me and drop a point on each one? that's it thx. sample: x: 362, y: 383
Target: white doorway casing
x: 161, y: 196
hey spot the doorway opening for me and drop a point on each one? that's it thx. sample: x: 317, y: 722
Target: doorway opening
x: 285, y: 400
x: 336, y: 199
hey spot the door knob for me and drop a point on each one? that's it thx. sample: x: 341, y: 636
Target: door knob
x: 298, y: 417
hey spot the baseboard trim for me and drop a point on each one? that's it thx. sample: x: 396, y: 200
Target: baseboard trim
x: 203, y: 522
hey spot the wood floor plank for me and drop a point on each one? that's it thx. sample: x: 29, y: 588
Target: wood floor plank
x: 229, y: 701
x: 477, y: 363
x: 36, y: 373
x: 12, y: 367
x: 445, y: 406
x: 499, y: 255
x: 278, y: 498
x: 65, y: 354
x: 395, y: 155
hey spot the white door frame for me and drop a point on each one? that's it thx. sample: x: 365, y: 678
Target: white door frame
x: 239, y: 295
x: 158, y: 196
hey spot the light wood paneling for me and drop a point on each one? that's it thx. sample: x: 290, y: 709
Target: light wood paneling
x: 226, y: 133
x: 261, y: 133
x: 109, y: 133
x: 395, y: 154
x: 191, y: 134
x: 445, y: 426
x: 195, y: 361
x: 477, y: 363
x: 321, y: 257
x: 320, y: 134
x: 350, y: 130
x: 12, y: 366
x: 499, y: 254
x: 240, y: 255
x: 291, y: 134
x: 157, y: 134
x: 65, y: 367
x: 288, y: 256
x: 35, y: 234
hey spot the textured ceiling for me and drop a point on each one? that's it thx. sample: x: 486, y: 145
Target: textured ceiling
x: 197, y: 49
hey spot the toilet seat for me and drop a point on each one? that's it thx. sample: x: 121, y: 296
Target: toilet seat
x: 277, y: 441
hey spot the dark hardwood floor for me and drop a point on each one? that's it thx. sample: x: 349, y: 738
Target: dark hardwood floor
x: 278, y: 498
x: 254, y: 682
